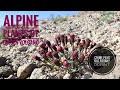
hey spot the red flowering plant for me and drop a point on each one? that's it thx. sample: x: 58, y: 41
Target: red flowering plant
x: 67, y: 51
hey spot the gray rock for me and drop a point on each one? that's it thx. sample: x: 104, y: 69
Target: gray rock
x: 5, y: 71
x: 87, y: 75
x: 2, y: 61
x: 25, y: 70
x: 67, y: 76
x: 114, y: 42
x: 39, y: 73
x: 31, y: 48
x: 1, y: 78
x: 117, y: 25
x: 78, y: 24
x: 12, y: 77
x: 36, y: 74
x: 104, y: 41
x: 59, y: 76
x: 8, y: 61
x: 44, y: 77
x: 54, y: 73
x: 23, y: 49
x: 28, y: 78
x: 15, y: 67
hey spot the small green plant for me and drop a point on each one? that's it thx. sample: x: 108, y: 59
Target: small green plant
x: 58, y: 18
x: 107, y: 16
x: 1, y: 36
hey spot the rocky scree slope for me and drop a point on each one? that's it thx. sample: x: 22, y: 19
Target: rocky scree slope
x: 101, y: 26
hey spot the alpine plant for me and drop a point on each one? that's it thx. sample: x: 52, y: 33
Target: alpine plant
x: 67, y: 51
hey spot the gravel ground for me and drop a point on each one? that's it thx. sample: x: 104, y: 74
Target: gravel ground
x: 102, y: 27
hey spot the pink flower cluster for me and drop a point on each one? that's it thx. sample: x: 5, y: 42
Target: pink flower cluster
x: 67, y: 51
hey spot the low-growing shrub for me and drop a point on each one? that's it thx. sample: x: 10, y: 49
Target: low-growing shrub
x: 60, y: 19
x: 1, y: 35
x: 107, y: 16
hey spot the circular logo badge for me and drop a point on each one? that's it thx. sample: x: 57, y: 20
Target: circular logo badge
x: 102, y: 60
